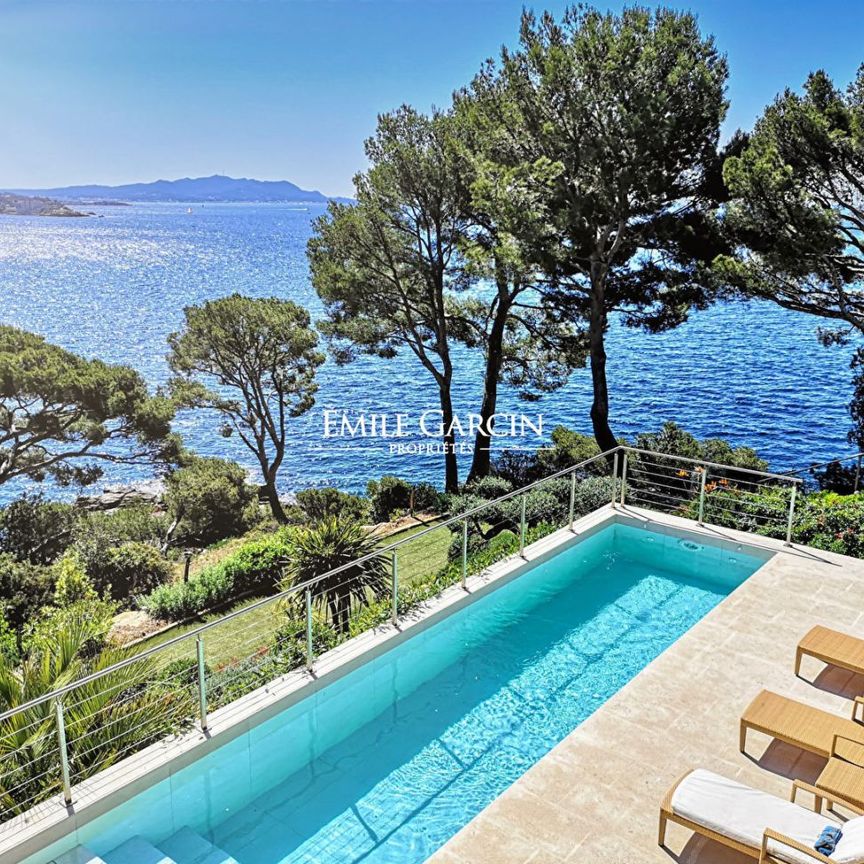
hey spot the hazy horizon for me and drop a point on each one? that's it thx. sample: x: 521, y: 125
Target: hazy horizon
x: 114, y: 186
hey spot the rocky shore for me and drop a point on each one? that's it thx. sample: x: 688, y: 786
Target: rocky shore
x: 23, y: 205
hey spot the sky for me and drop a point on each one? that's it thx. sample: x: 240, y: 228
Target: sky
x: 119, y: 91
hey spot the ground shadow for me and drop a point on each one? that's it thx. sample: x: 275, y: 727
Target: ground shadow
x: 700, y: 850
x: 840, y: 682
x: 789, y: 761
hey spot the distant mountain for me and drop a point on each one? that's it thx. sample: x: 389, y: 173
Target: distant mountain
x: 215, y: 188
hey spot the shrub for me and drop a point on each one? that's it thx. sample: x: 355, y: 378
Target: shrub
x: 726, y: 504
x: 541, y: 505
x: 425, y: 498
x: 133, y: 569
x: 182, y: 672
x: 824, y: 520
x: 256, y: 566
x: 548, y: 503
x: 92, y: 616
x: 290, y: 642
x: 476, y: 542
x: 24, y: 589
x: 840, y: 478
x: 9, y: 653
x: 71, y: 582
x: 108, y: 719
x: 209, y: 500
x: 318, y: 504
x: 138, y: 523
x: 674, y: 440
x: 667, y: 483
x: 75, y: 607
x: 238, y: 677
x: 390, y: 496
x: 488, y: 488
x: 35, y: 530
x: 331, y: 544
x: 569, y: 448
x: 178, y: 600
x: 832, y: 522
x: 518, y: 468
x: 594, y: 493
x: 114, y: 546
x: 463, y: 503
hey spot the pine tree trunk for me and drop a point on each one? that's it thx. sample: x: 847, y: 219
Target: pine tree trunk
x: 600, y: 405
x: 481, y: 464
x: 273, y: 500
x: 451, y: 465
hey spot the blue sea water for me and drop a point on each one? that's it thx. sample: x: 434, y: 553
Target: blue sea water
x: 384, y: 765
x: 114, y: 287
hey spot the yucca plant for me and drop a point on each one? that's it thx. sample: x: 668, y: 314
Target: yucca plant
x: 330, y: 544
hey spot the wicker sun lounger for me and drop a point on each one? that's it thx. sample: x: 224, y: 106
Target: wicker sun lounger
x: 757, y: 824
x: 798, y: 724
x: 834, y: 648
x: 843, y: 775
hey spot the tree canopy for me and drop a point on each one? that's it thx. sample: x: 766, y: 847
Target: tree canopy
x: 798, y: 214
x: 253, y: 361
x: 507, y: 315
x: 385, y: 266
x: 65, y: 417
x: 798, y: 206
x: 427, y: 259
x: 615, y: 121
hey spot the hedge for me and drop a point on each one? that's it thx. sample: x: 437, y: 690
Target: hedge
x: 255, y: 567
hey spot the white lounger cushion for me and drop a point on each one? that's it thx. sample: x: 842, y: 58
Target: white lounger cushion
x: 742, y: 813
x: 850, y: 849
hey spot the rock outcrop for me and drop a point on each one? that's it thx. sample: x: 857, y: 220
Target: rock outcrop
x: 112, y: 497
x: 23, y: 205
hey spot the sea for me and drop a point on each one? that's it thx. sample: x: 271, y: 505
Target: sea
x: 113, y: 286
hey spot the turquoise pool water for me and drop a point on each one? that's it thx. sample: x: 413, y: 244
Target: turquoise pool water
x: 387, y: 763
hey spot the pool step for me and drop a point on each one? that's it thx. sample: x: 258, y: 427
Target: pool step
x: 78, y: 855
x: 188, y: 847
x: 136, y: 850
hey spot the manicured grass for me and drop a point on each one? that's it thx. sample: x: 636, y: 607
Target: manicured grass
x: 421, y: 557
x: 223, y: 643
x: 242, y: 636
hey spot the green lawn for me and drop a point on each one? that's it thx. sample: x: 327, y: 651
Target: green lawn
x: 233, y: 640
x: 421, y: 557
x: 242, y: 636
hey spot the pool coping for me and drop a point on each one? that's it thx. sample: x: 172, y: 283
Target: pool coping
x: 51, y: 821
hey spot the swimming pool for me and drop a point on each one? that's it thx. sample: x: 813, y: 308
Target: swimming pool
x: 387, y: 763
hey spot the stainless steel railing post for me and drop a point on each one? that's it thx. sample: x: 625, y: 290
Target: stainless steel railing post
x: 64, y: 752
x: 624, y: 478
x: 791, y: 514
x: 394, y: 611
x: 522, y: 528
x: 310, y: 653
x: 704, y: 471
x: 464, y: 552
x: 615, y: 480
x: 571, y: 515
x: 202, y: 683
